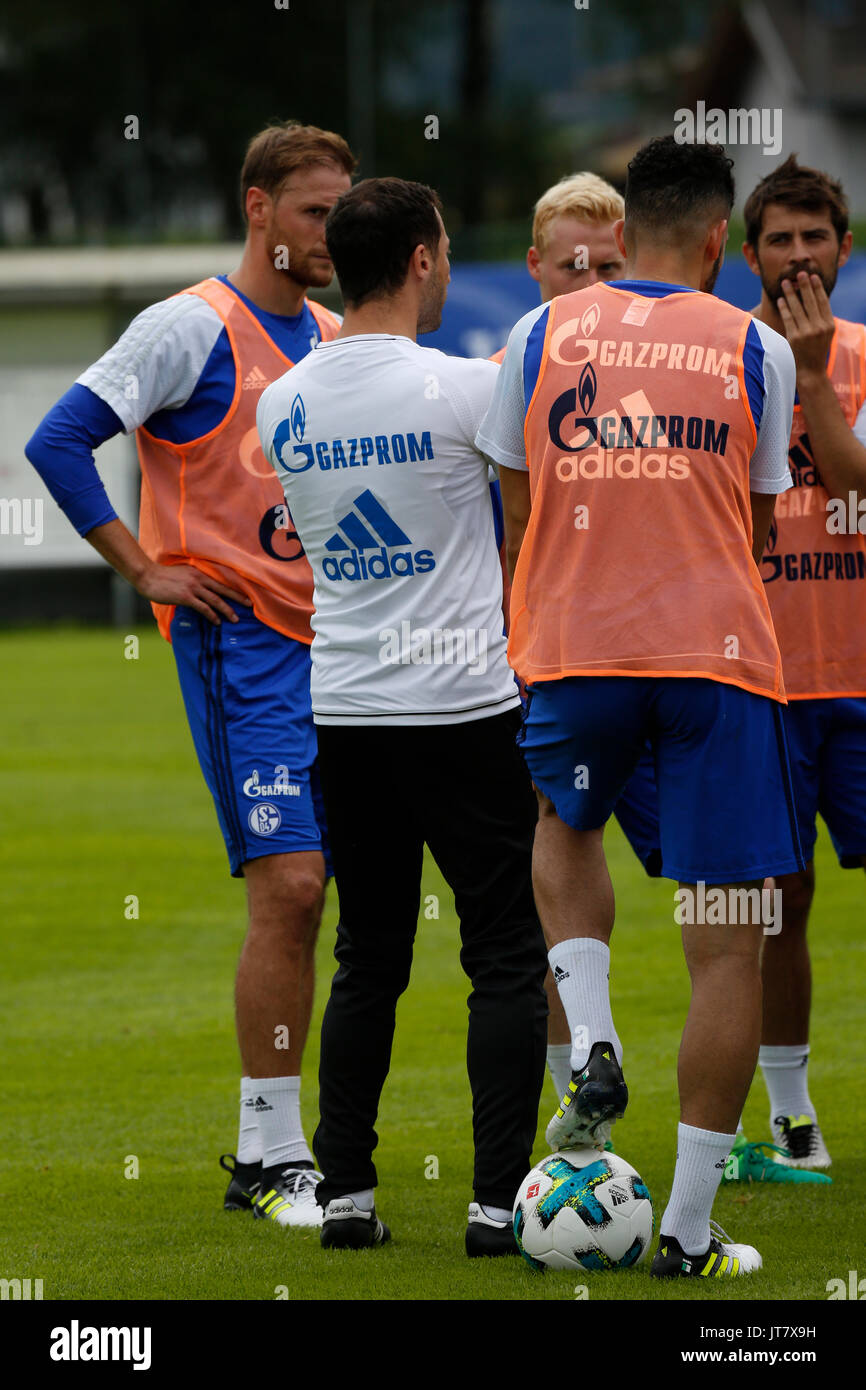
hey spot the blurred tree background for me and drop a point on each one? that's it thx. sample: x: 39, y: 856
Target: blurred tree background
x: 523, y: 93
x: 503, y: 79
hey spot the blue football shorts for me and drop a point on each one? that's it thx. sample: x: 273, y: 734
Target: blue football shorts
x: 827, y: 746
x: 638, y: 814
x: 725, y: 800
x: 246, y: 689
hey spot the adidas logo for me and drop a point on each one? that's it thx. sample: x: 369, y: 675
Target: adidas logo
x: 560, y: 974
x: 256, y: 380
x: 617, y: 1196
x: 259, y: 1104
x: 367, y: 545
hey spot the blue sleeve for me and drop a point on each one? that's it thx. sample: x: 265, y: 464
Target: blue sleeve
x: 753, y: 364
x: 61, y: 451
x: 532, y: 356
x: 498, y: 518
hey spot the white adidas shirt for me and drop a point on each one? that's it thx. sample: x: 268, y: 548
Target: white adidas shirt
x: 372, y: 438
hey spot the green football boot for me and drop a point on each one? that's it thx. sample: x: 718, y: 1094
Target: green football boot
x: 754, y: 1163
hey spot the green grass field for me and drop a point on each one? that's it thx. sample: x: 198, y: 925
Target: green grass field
x: 119, y: 1036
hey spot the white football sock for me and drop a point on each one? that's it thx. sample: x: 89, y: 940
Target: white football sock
x: 363, y: 1200
x: 786, y: 1075
x: 559, y: 1066
x: 277, y: 1102
x: 701, y: 1157
x: 581, y: 967
x: 249, y: 1142
x: 496, y: 1213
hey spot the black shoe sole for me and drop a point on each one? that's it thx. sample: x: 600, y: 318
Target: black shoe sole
x: 244, y: 1185
x: 486, y: 1241
x: 353, y: 1235
x: 597, y: 1102
x: 670, y: 1266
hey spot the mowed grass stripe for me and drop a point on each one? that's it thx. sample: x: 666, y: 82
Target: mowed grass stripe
x: 119, y: 1038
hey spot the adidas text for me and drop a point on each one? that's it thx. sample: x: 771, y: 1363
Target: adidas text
x: 256, y: 380
x: 381, y: 565
x: 367, y: 526
x: 259, y: 1104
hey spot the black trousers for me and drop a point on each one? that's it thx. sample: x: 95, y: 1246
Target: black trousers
x: 464, y: 790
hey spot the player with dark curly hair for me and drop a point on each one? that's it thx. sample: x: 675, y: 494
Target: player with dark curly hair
x: 641, y: 429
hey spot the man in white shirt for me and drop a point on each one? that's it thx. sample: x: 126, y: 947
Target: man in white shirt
x: 415, y: 705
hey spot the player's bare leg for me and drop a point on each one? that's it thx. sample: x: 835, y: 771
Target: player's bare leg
x: 717, y: 1059
x: 572, y: 886
x: 285, y: 895
x: 784, y: 1054
x: 558, y: 1038
x: 786, y: 970
x: 546, y: 882
x: 557, y: 1023
x: 720, y: 1041
x: 273, y: 1002
x: 574, y: 897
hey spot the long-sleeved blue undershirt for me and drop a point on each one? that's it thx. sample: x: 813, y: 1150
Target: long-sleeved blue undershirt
x: 61, y: 448
x: 61, y: 451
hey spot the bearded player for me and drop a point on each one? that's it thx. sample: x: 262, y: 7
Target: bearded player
x: 636, y: 525
x: 814, y: 572
x: 231, y: 590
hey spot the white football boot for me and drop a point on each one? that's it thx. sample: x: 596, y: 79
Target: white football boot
x: 290, y: 1198
x: 723, y: 1259
x: 801, y: 1142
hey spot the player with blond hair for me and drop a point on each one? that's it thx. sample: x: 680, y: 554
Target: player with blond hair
x: 573, y: 247
x: 572, y: 237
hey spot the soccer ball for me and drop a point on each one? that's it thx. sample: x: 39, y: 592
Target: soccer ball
x: 583, y: 1209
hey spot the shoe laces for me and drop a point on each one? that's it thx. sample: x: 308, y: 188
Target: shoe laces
x: 720, y: 1235
x: 301, y: 1182
x: 802, y: 1140
x: 765, y: 1149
